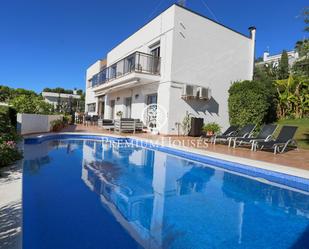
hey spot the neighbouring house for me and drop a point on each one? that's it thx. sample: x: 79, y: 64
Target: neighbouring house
x: 182, y: 61
x: 62, y: 101
x: 274, y: 60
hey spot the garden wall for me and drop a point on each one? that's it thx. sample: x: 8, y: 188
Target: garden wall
x: 34, y: 123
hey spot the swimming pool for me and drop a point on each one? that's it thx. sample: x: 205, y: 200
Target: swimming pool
x: 89, y: 193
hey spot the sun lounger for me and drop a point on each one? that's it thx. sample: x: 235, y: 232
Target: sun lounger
x: 284, y: 139
x: 245, y: 131
x: 229, y: 132
x: 265, y: 134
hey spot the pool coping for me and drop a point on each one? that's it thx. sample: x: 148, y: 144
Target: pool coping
x: 285, y: 175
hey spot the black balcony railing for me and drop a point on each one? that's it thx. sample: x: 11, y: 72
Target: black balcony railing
x: 136, y: 62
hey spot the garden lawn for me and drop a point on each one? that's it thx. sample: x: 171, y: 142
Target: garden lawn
x: 302, y: 134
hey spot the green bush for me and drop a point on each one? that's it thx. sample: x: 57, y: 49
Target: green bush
x: 68, y: 119
x: 211, y: 128
x: 57, y: 125
x: 301, y: 67
x: 8, y: 136
x: 8, y: 124
x: 251, y: 102
x: 9, y: 153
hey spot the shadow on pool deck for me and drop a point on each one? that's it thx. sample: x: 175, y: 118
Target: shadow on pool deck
x: 294, y: 158
x: 10, y: 229
x: 10, y: 206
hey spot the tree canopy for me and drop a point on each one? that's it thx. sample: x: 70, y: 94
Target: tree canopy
x: 8, y: 93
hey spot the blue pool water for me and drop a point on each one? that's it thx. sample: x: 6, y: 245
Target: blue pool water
x: 89, y: 194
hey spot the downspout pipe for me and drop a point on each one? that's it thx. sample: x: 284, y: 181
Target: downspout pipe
x: 252, y: 31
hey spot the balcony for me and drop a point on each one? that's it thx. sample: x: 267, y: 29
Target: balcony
x: 139, y: 63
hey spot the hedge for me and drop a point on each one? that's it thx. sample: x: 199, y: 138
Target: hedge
x: 250, y: 102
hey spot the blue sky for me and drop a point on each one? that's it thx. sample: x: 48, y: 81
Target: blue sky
x: 50, y: 43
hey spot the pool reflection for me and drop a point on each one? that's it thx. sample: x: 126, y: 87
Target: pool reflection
x: 166, y: 202
x: 163, y: 201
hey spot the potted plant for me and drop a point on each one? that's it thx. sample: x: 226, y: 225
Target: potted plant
x: 211, y: 128
x: 119, y: 114
x: 57, y: 125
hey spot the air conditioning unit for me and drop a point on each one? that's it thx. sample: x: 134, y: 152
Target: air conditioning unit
x: 189, y: 91
x: 204, y: 93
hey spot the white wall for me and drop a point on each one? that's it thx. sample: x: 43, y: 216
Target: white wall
x: 90, y: 96
x: 35, y: 123
x: 148, y: 35
x: 210, y: 55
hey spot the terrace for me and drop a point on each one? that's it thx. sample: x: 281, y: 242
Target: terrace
x: 137, y: 66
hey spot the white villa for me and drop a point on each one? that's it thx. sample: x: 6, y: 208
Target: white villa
x: 182, y: 61
x: 60, y: 99
x: 274, y: 60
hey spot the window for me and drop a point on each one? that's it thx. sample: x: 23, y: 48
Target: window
x: 154, y: 64
x: 91, y: 107
x: 155, y: 51
x: 152, y: 99
x: 94, y: 80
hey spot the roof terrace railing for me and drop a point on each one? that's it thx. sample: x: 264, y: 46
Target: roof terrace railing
x: 137, y: 62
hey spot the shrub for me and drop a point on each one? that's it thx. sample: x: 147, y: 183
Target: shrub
x: 57, y: 125
x: 211, y: 128
x: 8, y: 124
x: 9, y: 153
x: 301, y: 67
x: 250, y: 102
x: 8, y: 137
x: 68, y: 119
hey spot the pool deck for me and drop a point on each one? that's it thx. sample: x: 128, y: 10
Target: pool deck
x: 10, y: 206
x: 298, y: 159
